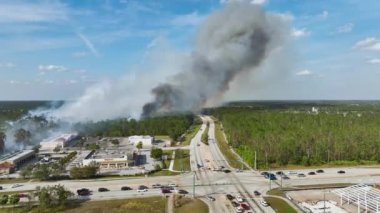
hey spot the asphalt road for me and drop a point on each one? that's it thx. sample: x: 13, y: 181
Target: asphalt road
x: 208, y: 182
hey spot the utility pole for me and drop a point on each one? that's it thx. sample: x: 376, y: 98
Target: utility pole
x: 194, y: 185
x: 324, y: 200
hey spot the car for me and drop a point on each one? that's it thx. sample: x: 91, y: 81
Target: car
x: 285, y: 177
x: 234, y: 204
x: 142, y: 190
x: 264, y: 203
x: 143, y: 187
x: 239, y: 199
x: 156, y: 186
x: 83, y: 192
x: 256, y: 193
x: 210, y: 198
x: 311, y: 173
x: 198, y: 144
x: 229, y: 197
x: 301, y: 175
x: 239, y: 209
x: 16, y: 185
x: 239, y: 170
x: 292, y: 173
x: 22, y: 195
x: 320, y: 171
x: 264, y: 173
x: 1, y: 188
x: 341, y: 172
x: 125, y: 188
x: 165, y: 191
x: 102, y: 189
x: 207, y: 160
x: 272, y: 176
x: 172, y: 185
x: 226, y: 171
x: 279, y: 173
x: 244, y: 206
x: 182, y: 191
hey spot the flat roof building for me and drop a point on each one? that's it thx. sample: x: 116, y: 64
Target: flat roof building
x: 58, y: 141
x: 108, y: 159
x: 12, y: 161
x: 146, y: 140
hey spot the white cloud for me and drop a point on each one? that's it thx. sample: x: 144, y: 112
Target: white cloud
x: 324, y: 14
x: 374, y: 61
x: 346, y: 28
x: 369, y: 43
x: 16, y: 12
x: 43, y: 69
x: 7, y: 65
x: 298, y: 33
x: 90, y: 46
x: 80, y: 54
x: 258, y: 2
x: 304, y: 72
x: 192, y: 19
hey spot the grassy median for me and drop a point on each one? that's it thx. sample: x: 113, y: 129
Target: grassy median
x: 225, y: 148
x: 279, y: 205
x: 191, y: 132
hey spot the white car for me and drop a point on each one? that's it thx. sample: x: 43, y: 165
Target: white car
x: 16, y: 185
x: 239, y: 199
x: 239, y: 209
x: 172, y: 185
x: 264, y: 203
x: 142, y: 190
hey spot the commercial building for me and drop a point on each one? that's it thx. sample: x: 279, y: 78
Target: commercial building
x: 58, y: 141
x: 145, y: 139
x: 12, y: 161
x: 108, y: 159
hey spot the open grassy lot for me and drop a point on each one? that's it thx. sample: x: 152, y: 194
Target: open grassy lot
x: 162, y: 137
x: 182, y: 160
x: 224, y: 147
x: 189, y: 205
x: 146, y: 205
x: 279, y: 205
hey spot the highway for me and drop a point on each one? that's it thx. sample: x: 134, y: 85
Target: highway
x: 203, y: 159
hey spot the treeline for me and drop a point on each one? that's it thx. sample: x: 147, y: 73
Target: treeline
x: 282, y: 137
x: 174, y: 126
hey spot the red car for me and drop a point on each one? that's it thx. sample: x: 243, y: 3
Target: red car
x: 22, y: 195
x: 244, y: 206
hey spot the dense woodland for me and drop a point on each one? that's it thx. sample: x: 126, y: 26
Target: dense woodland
x: 283, y: 134
x: 174, y: 126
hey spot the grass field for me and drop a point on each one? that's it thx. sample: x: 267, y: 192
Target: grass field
x: 162, y: 137
x: 224, y: 148
x: 146, y: 205
x: 191, y: 133
x: 182, y: 163
x: 279, y: 205
x: 189, y: 205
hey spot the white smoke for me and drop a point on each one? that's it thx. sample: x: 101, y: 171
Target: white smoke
x: 235, y: 40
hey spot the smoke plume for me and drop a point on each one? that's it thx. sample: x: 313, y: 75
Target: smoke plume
x: 230, y: 42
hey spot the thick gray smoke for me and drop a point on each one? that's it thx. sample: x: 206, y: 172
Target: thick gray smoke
x: 230, y: 42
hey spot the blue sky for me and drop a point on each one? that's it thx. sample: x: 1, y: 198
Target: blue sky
x: 51, y: 49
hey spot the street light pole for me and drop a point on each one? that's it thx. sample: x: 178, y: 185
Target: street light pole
x: 194, y: 185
